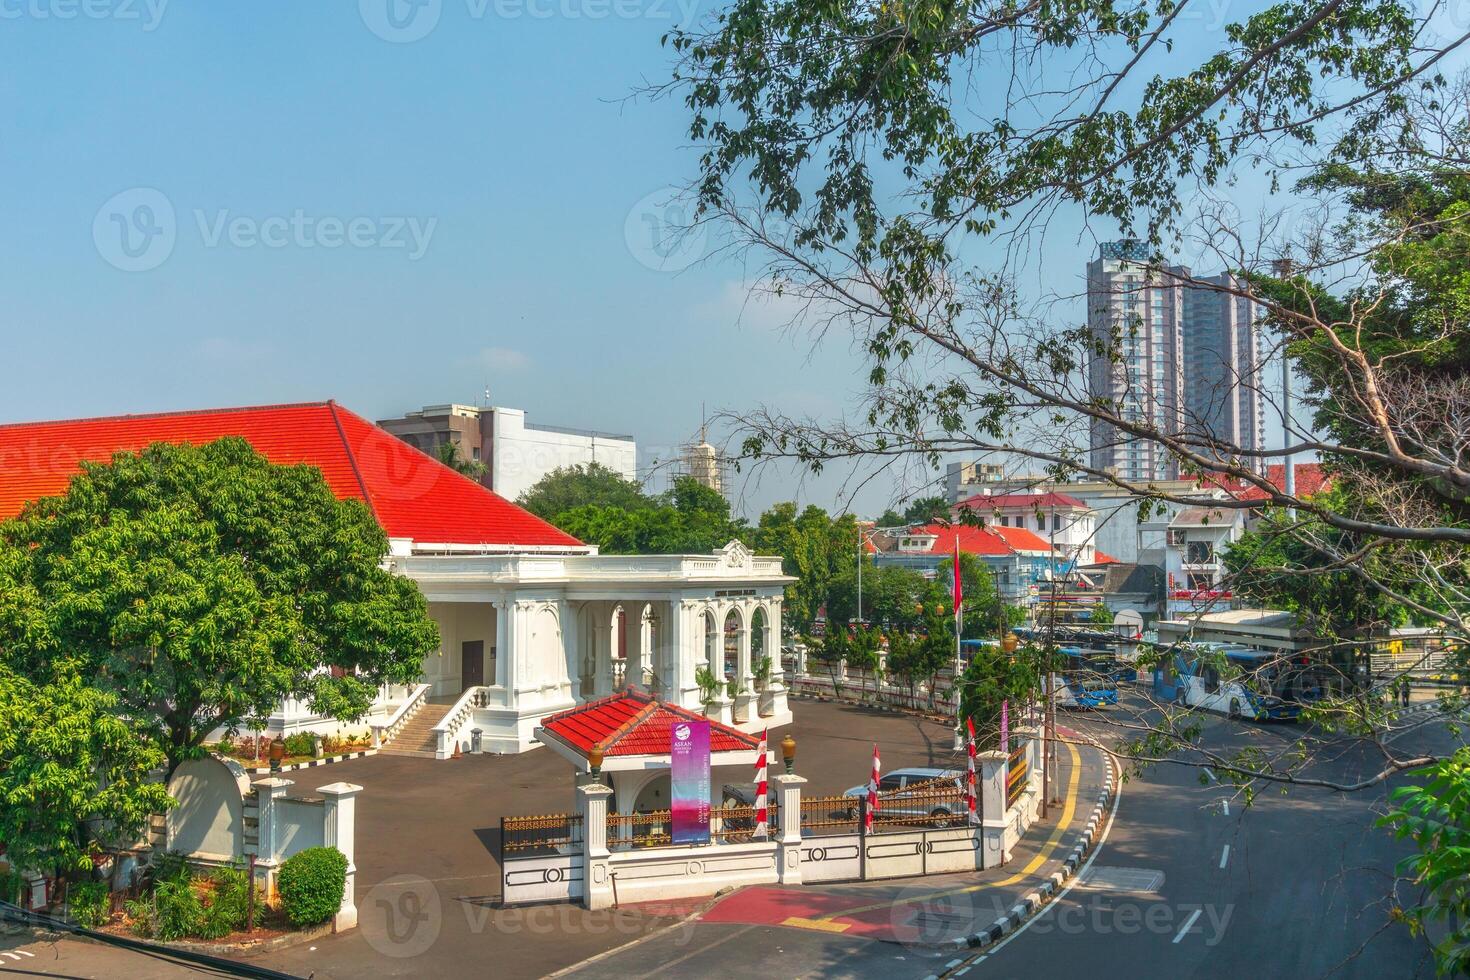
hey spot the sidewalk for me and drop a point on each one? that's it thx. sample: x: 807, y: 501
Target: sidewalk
x: 913, y: 925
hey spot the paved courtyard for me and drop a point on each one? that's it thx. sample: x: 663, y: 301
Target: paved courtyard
x: 428, y: 883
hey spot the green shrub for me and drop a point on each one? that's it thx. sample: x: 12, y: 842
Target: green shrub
x: 179, y: 910
x: 312, y: 884
x: 228, y: 904
x: 90, y: 903
x: 298, y: 744
x: 144, y: 916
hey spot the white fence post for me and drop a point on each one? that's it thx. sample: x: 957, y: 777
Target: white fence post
x: 268, y: 793
x: 338, y: 830
x: 597, y: 888
x: 788, y: 836
x: 992, y: 791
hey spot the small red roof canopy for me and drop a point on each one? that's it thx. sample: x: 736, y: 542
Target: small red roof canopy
x: 413, y: 495
x: 633, y: 722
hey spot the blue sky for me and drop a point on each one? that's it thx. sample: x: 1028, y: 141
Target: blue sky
x: 351, y: 210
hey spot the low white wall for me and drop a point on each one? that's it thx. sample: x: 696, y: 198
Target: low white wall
x: 553, y: 878
x: 835, y: 858
x: 690, y: 872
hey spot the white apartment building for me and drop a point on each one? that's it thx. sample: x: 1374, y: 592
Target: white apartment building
x: 1143, y: 304
x: 515, y: 453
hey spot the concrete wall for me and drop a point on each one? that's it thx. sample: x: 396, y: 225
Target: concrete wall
x: 459, y: 623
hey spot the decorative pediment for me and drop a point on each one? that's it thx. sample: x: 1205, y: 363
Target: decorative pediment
x: 735, y: 555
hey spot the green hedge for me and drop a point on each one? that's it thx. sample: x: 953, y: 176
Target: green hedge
x: 312, y: 884
x: 184, y: 905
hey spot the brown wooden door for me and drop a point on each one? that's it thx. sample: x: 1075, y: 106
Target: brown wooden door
x: 472, y: 664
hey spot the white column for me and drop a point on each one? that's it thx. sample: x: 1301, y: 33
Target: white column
x: 744, y: 677
x: 339, y: 832
x: 788, y: 838
x: 505, y: 653
x: 268, y: 793
x: 597, y: 890
x: 633, y: 637
x: 605, y: 644
x: 571, y: 641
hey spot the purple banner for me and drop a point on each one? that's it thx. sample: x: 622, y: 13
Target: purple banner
x: 1005, y: 725
x: 689, y: 774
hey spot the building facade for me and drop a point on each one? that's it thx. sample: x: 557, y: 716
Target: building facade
x: 1189, y: 359
x: 1137, y: 308
x: 515, y: 453
x: 1223, y: 363
x: 1017, y: 559
x: 1064, y: 523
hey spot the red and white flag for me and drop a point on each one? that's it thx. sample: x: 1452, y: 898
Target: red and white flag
x: 959, y: 590
x: 970, y: 775
x: 762, y: 811
x: 873, y: 790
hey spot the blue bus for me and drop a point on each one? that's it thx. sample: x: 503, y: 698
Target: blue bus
x: 1238, y: 681
x: 1087, y: 679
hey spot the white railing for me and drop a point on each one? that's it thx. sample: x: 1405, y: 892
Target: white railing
x: 389, y: 729
x: 448, y: 731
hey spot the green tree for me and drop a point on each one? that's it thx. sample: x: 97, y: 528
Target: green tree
x: 925, y: 510
x: 78, y: 777
x: 202, y: 585
x: 980, y: 605
x: 891, y: 518
x: 570, y: 488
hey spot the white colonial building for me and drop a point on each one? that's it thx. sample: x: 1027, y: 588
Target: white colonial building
x: 532, y: 621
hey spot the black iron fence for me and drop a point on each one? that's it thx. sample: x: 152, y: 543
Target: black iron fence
x: 551, y: 833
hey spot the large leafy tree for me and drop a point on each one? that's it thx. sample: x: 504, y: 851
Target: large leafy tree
x: 201, y: 585
x: 78, y: 777
x: 584, y: 485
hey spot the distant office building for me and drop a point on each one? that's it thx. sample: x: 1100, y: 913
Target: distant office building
x: 515, y: 453
x: 1143, y: 304
x: 1222, y: 364
x: 1189, y: 359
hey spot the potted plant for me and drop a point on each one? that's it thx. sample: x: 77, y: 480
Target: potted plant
x: 710, y: 687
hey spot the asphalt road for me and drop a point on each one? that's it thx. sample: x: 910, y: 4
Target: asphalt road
x: 1191, y: 882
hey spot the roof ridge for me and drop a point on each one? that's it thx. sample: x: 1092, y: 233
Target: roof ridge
x: 692, y: 715
x: 352, y: 461
x: 638, y: 717
x: 142, y: 416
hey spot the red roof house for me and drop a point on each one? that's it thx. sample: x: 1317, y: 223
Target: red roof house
x: 633, y: 726
x: 414, y: 497
x: 1050, y: 500
x: 1310, y: 479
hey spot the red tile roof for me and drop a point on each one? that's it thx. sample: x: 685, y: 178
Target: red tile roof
x: 633, y: 722
x: 1044, y: 501
x: 1103, y: 558
x: 412, y: 495
x: 1310, y: 479
x: 988, y: 540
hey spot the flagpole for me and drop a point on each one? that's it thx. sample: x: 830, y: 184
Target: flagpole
x: 955, y: 688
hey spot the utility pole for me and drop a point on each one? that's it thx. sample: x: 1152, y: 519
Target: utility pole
x: 860, y: 576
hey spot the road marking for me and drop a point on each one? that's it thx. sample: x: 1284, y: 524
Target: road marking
x: 1225, y: 855
x: 703, y: 949
x: 822, y: 924
x: 1081, y: 872
x: 1188, y: 924
x: 26, y: 952
x: 1211, y: 774
x: 13, y: 956
x: 1225, y: 804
